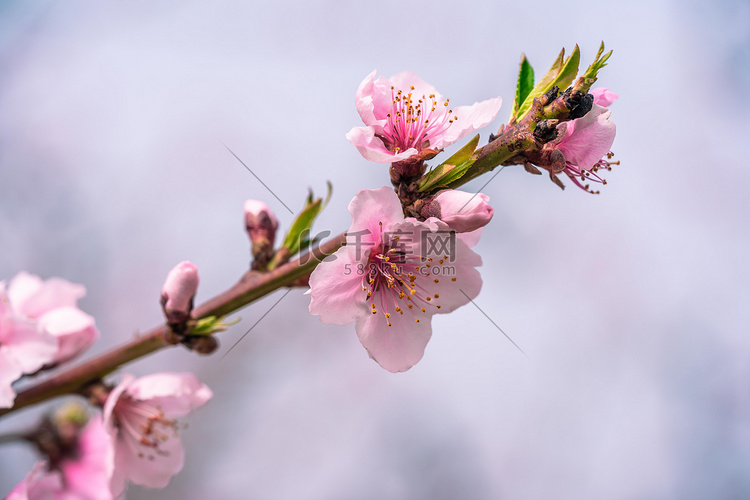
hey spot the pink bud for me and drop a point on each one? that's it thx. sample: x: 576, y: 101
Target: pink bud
x: 260, y: 222
x: 178, y: 291
x: 464, y: 211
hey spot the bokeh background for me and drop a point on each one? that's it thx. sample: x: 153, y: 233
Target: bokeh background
x: 632, y: 306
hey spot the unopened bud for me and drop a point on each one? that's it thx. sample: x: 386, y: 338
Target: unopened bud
x: 178, y: 292
x: 261, y: 225
x: 260, y: 221
x: 462, y: 211
x: 202, y: 344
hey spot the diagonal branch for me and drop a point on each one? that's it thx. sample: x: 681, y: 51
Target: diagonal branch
x: 250, y: 288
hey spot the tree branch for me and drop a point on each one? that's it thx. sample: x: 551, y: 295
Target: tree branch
x: 250, y: 288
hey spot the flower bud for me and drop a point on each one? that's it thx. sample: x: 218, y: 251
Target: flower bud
x: 462, y: 211
x: 260, y: 222
x: 178, y: 292
x: 261, y: 225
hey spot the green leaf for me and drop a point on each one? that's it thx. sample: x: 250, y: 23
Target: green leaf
x: 591, y: 73
x: 561, y: 74
x: 211, y: 324
x: 299, y: 231
x: 451, y: 169
x: 463, y: 154
x: 525, y: 83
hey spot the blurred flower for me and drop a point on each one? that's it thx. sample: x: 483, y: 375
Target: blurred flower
x: 393, y: 278
x: 86, y: 474
x: 81, y: 475
x: 39, y: 484
x: 178, y: 291
x: 404, y: 115
x: 586, y: 141
x: 24, y: 347
x: 139, y: 415
x: 53, y: 303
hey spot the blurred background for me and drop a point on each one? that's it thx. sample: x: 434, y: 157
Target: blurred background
x: 632, y: 306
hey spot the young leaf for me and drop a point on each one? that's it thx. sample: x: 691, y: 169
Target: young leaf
x: 561, y: 74
x: 525, y: 84
x: 447, y: 171
x: 300, y: 228
x: 589, y: 76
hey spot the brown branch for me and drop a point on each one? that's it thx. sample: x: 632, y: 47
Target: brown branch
x: 250, y: 288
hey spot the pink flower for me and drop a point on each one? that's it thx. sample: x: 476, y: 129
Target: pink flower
x: 586, y: 141
x: 140, y: 417
x: 24, y: 347
x: 392, y: 278
x: 53, y: 303
x: 404, y: 115
x: 82, y: 476
x: 178, y: 291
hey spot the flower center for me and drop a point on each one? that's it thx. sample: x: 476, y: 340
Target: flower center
x: 144, y: 427
x: 413, y: 124
x: 395, y: 277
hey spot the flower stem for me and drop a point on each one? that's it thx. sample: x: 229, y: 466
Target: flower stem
x: 250, y: 288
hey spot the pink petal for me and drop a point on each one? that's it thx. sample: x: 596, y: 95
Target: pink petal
x: 23, y: 340
x: 374, y: 211
x: 152, y: 472
x: 39, y: 484
x: 398, y: 347
x: 464, y: 211
x: 470, y: 118
x: 406, y: 79
x: 373, y: 100
x: 336, y: 287
x: 603, y: 96
x: 372, y: 148
x: 588, y: 138
x: 10, y: 371
x: 33, y: 297
x: 109, y: 405
x: 177, y: 394
x: 472, y: 237
x: 74, y: 330
x: 87, y: 477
